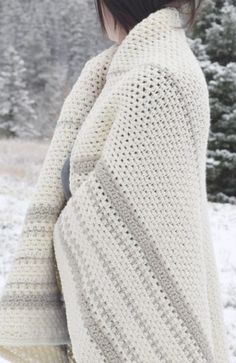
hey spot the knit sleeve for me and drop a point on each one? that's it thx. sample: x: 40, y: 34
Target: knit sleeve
x: 32, y: 313
x: 132, y: 231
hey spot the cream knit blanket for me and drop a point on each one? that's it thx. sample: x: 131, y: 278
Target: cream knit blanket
x: 133, y: 244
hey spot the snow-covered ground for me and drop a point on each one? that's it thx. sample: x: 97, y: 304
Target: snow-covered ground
x: 20, y: 164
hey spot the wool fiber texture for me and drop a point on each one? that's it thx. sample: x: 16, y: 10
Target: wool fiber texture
x: 125, y: 270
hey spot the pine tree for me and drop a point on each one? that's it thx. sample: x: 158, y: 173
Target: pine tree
x: 213, y: 42
x: 54, y: 44
x: 17, y: 115
x: 49, y: 106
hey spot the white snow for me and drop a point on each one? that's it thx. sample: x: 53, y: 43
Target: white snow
x: 19, y: 167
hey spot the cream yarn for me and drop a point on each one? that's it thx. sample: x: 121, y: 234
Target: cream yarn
x: 133, y: 244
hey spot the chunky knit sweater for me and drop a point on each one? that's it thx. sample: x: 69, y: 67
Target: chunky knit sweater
x: 132, y: 248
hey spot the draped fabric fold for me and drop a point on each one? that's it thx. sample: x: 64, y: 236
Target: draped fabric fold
x: 132, y: 241
x: 132, y: 245
x: 33, y: 325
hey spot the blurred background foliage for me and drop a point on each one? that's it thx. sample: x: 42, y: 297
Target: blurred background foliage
x: 213, y: 40
x: 44, y: 46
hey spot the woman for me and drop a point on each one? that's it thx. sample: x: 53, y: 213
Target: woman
x: 125, y: 234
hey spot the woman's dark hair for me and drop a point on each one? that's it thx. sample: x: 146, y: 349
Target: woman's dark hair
x: 130, y: 12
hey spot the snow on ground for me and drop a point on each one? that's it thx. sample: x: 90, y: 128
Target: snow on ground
x: 223, y: 227
x: 20, y: 164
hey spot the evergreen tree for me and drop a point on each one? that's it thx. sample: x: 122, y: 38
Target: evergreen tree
x: 213, y: 42
x: 49, y: 106
x: 54, y: 46
x: 17, y: 115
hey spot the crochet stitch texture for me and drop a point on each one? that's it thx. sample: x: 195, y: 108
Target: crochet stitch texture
x: 133, y: 244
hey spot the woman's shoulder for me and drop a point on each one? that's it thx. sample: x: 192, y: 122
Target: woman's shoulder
x: 156, y: 77
x: 103, y: 57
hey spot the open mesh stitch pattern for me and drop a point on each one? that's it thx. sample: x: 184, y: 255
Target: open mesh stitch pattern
x: 68, y: 346
x: 32, y: 318
x: 134, y: 252
x: 135, y: 231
